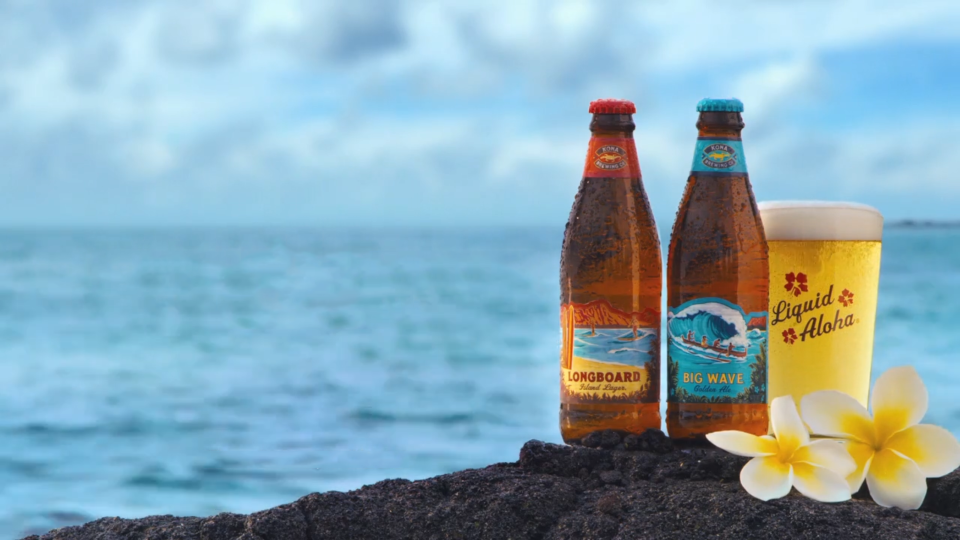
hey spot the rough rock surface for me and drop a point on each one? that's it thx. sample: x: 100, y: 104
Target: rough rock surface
x: 638, y: 487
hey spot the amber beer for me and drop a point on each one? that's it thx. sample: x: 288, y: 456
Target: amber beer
x: 824, y: 273
x: 610, y: 289
x: 717, y: 289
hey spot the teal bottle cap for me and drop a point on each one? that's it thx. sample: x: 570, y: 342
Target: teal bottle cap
x: 720, y: 105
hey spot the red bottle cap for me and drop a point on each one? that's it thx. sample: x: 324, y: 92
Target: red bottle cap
x: 612, y: 106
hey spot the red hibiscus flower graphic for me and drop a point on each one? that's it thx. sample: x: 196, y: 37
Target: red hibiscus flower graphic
x: 846, y: 298
x: 789, y: 336
x: 796, y: 283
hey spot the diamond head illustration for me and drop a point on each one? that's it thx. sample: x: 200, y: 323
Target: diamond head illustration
x: 600, y: 314
x: 757, y: 323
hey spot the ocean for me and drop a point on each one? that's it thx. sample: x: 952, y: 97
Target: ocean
x: 192, y: 372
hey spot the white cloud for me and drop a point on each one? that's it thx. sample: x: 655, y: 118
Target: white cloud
x: 148, y: 158
x: 771, y: 85
x: 906, y: 159
x: 472, y: 102
x: 695, y: 33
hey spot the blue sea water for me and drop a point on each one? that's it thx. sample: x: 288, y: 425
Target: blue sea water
x: 197, y: 371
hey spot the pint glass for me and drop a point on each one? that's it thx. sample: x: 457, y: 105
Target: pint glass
x: 824, y: 273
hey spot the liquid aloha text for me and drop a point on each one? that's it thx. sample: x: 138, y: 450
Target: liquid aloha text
x: 815, y: 326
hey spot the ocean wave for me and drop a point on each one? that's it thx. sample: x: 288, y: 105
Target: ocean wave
x: 712, y: 320
x: 623, y: 350
x: 375, y: 416
x: 708, y: 356
x: 641, y: 333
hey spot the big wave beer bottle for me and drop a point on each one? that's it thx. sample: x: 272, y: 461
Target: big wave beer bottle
x: 610, y: 289
x: 717, y: 289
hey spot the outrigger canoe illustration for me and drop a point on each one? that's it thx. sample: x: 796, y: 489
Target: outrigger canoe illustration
x: 715, y: 347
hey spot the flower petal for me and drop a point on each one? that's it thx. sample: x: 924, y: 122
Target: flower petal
x: 787, y: 426
x: 934, y: 449
x: 861, y: 454
x: 896, y: 481
x: 835, y: 414
x: 744, y: 444
x: 827, y: 454
x: 820, y: 483
x: 898, y: 401
x: 766, y: 478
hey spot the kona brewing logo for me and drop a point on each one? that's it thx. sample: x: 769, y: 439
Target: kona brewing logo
x: 719, y: 156
x: 815, y: 326
x: 610, y: 157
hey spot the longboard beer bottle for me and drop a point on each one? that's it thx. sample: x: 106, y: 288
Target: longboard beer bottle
x: 717, y: 289
x: 610, y: 289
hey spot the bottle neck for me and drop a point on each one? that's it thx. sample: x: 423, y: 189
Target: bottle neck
x: 612, y: 125
x: 613, y: 134
x: 612, y: 152
x: 721, y: 125
x: 719, y: 149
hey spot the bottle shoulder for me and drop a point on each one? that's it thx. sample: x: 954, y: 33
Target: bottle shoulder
x: 603, y: 199
x: 724, y: 202
x: 718, y: 217
x: 610, y: 223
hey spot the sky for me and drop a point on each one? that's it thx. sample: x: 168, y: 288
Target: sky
x: 443, y: 113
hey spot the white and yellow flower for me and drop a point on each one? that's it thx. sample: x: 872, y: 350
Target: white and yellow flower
x: 892, y: 450
x: 817, y: 469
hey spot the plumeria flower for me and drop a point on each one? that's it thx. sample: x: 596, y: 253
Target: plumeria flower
x: 893, y: 451
x: 817, y: 469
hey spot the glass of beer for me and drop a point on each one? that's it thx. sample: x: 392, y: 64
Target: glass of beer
x: 824, y: 274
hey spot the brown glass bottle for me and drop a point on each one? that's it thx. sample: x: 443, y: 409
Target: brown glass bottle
x: 717, y: 289
x: 610, y: 289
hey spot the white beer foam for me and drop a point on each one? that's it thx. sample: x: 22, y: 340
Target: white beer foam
x: 820, y: 220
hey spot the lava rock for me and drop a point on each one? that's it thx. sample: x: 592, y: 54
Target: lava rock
x: 609, y: 439
x: 651, y: 440
x: 610, y: 504
x: 611, y: 477
x: 651, y: 489
x: 593, y: 440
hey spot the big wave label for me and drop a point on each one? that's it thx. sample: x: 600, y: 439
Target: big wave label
x: 716, y: 353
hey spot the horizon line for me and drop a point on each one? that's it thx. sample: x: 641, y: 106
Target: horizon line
x: 899, y: 223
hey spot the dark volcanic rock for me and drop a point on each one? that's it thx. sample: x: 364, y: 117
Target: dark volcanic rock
x: 654, y: 491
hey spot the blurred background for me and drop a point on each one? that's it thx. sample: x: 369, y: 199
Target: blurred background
x: 251, y: 250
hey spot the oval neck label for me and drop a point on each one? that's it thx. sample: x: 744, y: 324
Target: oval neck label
x: 612, y: 157
x: 719, y: 156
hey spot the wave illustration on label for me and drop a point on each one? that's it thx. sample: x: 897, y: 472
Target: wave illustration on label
x: 608, y: 355
x: 716, y: 353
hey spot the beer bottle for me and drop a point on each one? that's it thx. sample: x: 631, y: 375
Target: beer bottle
x: 610, y: 289
x: 717, y: 289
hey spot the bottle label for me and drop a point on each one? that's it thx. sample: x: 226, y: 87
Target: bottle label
x: 608, y: 355
x: 611, y: 157
x: 716, y: 353
x: 719, y: 156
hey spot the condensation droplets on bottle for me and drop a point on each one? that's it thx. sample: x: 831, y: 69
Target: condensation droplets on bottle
x: 610, y: 289
x: 717, y: 288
